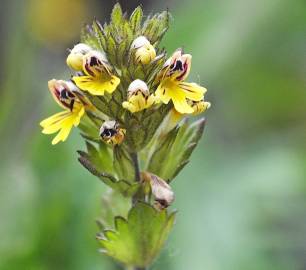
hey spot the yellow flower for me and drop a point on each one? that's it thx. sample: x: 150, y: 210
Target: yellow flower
x: 199, y: 106
x: 98, y: 77
x: 144, y: 51
x: 112, y: 133
x: 76, y: 55
x: 64, y: 94
x: 139, y: 97
x: 172, y: 85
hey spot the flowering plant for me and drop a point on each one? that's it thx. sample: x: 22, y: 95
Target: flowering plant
x: 131, y: 105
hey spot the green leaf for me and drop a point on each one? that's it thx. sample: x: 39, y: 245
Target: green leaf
x: 113, y: 204
x: 100, y: 34
x: 100, y: 158
x: 89, y: 128
x: 90, y: 162
x: 116, y: 16
x: 180, y: 150
x: 155, y: 27
x: 88, y: 37
x: 137, y: 241
x: 135, y: 19
x: 123, y: 164
x: 163, y: 150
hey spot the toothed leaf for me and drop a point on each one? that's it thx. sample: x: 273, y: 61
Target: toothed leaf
x: 137, y: 240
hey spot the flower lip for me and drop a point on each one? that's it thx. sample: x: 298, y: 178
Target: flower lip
x: 76, y: 55
x: 63, y: 93
x: 140, y: 42
x: 108, y: 129
x: 95, y: 63
x: 138, y: 86
x: 111, y: 133
x: 177, y: 66
x: 81, y: 48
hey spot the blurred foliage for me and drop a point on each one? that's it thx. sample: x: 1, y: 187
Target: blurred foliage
x: 45, y: 18
x: 243, y: 195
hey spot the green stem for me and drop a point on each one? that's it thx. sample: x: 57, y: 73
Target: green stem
x: 135, y: 160
x: 136, y: 166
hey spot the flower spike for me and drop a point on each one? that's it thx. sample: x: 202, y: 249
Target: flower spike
x: 63, y: 93
x: 139, y: 97
x: 144, y: 51
x: 98, y: 77
x: 172, y: 87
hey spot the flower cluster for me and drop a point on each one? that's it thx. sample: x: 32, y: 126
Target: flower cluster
x: 94, y: 74
x: 132, y: 104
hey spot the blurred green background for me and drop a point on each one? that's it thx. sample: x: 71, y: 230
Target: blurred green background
x: 241, y: 200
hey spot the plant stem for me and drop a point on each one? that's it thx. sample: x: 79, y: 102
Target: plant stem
x: 135, y: 198
x: 134, y: 157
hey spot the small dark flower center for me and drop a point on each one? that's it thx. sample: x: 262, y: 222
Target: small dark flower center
x: 108, y: 133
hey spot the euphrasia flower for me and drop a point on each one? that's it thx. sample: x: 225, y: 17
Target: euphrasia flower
x: 160, y: 189
x: 144, y: 51
x: 172, y: 85
x: 139, y: 97
x: 76, y: 55
x: 64, y: 94
x: 97, y: 76
x: 112, y: 133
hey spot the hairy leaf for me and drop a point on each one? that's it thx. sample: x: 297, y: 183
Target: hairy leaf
x: 135, y: 19
x: 116, y: 16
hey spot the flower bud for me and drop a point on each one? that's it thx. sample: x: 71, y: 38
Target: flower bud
x: 144, y: 51
x: 111, y: 133
x: 161, y: 191
x: 139, y: 97
x: 75, y: 58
